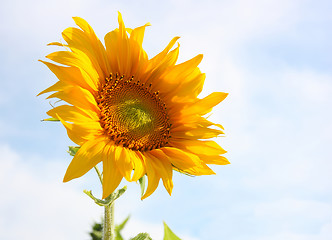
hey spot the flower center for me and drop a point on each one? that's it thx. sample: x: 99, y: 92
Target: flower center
x: 131, y: 115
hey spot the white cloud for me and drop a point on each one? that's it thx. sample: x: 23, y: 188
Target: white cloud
x: 308, y: 87
x: 325, y: 233
x: 290, y: 136
x: 287, y: 212
x: 37, y: 205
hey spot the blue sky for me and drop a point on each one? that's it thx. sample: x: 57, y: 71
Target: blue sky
x: 273, y: 57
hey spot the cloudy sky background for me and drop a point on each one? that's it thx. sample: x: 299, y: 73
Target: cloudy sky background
x: 273, y: 57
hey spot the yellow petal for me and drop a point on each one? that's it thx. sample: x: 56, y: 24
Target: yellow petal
x: 198, y: 170
x: 168, y: 61
x: 139, y: 58
x: 126, y: 55
x: 206, y: 123
x: 189, y: 88
x: 119, y: 53
x: 178, y: 157
x: 207, y: 151
x: 72, y: 75
x: 186, y: 68
x: 203, y: 106
x: 124, y: 59
x: 199, y: 147
x: 197, y: 133
x: 137, y: 34
x: 159, y: 70
x: 155, y: 61
x: 80, y: 133
x: 153, y: 178
x: 56, y: 44
x: 129, y: 30
x: 186, y: 162
x: 111, y: 174
x: 71, y: 114
x: 78, y: 97
x: 164, y: 168
x: 84, y: 25
x: 58, y: 86
x: 139, y: 168
x: 89, y: 44
x: 218, y: 160
x: 184, y: 71
x: 98, y: 47
x: 88, y: 156
x: 76, y: 59
x: 123, y: 161
x: 111, y: 42
x: 122, y: 28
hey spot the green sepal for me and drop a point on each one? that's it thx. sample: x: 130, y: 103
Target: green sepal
x: 118, y: 229
x: 181, y: 171
x: 73, y: 150
x: 168, y: 234
x: 51, y: 119
x: 117, y: 194
x: 142, y: 236
x: 109, y: 200
x: 142, y: 182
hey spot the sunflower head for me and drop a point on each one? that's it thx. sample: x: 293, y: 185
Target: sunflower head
x: 131, y: 115
x: 137, y: 115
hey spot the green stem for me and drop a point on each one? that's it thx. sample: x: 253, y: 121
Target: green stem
x: 109, y: 233
x: 100, y: 176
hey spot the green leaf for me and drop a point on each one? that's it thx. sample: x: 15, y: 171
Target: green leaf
x: 121, y: 225
x: 142, y: 236
x: 73, y: 150
x: 142, y: 182
x: 97, y: 231
x: 118, y: 229
x: 168, y: 234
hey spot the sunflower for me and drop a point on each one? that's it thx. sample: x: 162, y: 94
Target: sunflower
x: 138, y: 116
